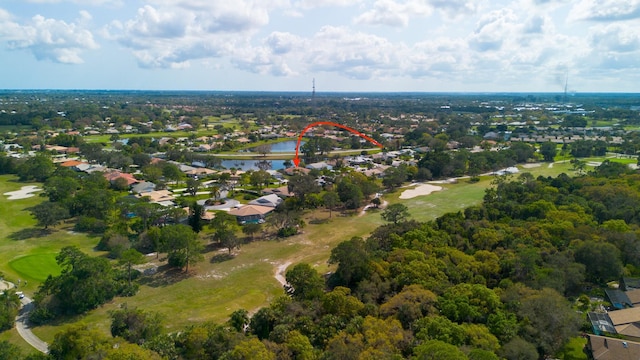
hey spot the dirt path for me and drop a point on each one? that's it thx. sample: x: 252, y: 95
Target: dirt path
x: 364, y: 209
x: 280, y: 271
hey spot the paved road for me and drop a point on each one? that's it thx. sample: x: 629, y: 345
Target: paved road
x: 22, y: 325
x: 22, y: 321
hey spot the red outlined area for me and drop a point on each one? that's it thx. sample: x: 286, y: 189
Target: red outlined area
x: 296, y: 160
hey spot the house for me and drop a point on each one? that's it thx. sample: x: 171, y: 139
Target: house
x: 143, y: 187
x: 271, y: 200
x: 633, y: 296
x: 606, y: 348
x: 251, y: 214
x: 630, y: 283
x: 115, y: 175
x: 162, y: 197
x: 626, y: 321
x: 618, y: 299
x: 318, y: 166
x: 282, y: 191
x: 72, y: 164
x: 295, y: 170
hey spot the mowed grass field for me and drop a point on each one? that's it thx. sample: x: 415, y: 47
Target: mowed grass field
x: 27, y: 253
x: 213, y: 290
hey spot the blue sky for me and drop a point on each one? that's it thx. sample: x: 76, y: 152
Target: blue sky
x: 346, y: 45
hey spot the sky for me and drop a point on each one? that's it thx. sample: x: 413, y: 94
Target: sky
x: 345, y: 45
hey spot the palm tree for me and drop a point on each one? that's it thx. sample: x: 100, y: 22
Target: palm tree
x: 215, y: 193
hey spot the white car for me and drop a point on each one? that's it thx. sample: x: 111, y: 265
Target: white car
x: 20, y: 294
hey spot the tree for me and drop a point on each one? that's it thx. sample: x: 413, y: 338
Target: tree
x: 548, y: 151
x: 193, y: 185
x: 49, y: 214
x: 302, y: 185
x: 353, y: 263
x: 307, y: 284
x: 412, y: 303
x: 239, y: 319
x: 195, y: 217
x: 61, y: 188
x: 129, y: 258
x: 601, y: 259
x: 84, y: 283
x: 350, y: 194
x: 260, y: 179
x: 38, y: 168
x: 9, y: 306
x: 438, y: 350
x: 225, y: 228
x: 330, y: 200
x: 395, y: 176
x: 215, y: 193
x: 251, y: 349
x: 181, y: 244
x: 395, y: 213
x: 550, y: 320
x: 135, y: 325
x: 251, y: 229
x: 9, y: 351
x: 263, y: 149
x: 519, y: 349
x: 79, y: 342
x: 172, y: 172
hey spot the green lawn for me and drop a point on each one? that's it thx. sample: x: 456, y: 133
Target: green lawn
x: 36, y: 267
x: 26, y: 251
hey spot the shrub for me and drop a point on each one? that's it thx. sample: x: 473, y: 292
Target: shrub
x: 91, y: 225
x: 287, y: 231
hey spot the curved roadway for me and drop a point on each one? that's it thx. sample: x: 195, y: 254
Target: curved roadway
x: 22, y: 321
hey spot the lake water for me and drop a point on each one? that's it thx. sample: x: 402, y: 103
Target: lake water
x: 281, y: 147
x: 285, y: 146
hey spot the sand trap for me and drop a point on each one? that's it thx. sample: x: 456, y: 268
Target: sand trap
x: 424, y: 189
x: 531, y: 165
x: 25, y: 192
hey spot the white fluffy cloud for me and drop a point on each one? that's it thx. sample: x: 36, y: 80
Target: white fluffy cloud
x: 605, y: 10
x: 49, y: 39
x: 395, y: 13
x: 169, y: 34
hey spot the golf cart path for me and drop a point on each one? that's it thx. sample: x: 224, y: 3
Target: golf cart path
x: 22, y: 322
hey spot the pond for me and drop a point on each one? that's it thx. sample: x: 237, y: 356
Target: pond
x: 285, y: 146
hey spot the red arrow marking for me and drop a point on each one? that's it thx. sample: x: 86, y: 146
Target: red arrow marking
x: 296, y: 160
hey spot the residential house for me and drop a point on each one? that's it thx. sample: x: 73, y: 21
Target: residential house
x: 606, y: 348
x: 162, y: 197
x: 251, y: 214
x: 282, y: 191
x: 271, y: 200
x: 115, y: 175
x: 143, y: 187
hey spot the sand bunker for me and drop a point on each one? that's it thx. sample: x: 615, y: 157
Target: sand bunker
x: 424, y: 189
x: 25, y: 192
